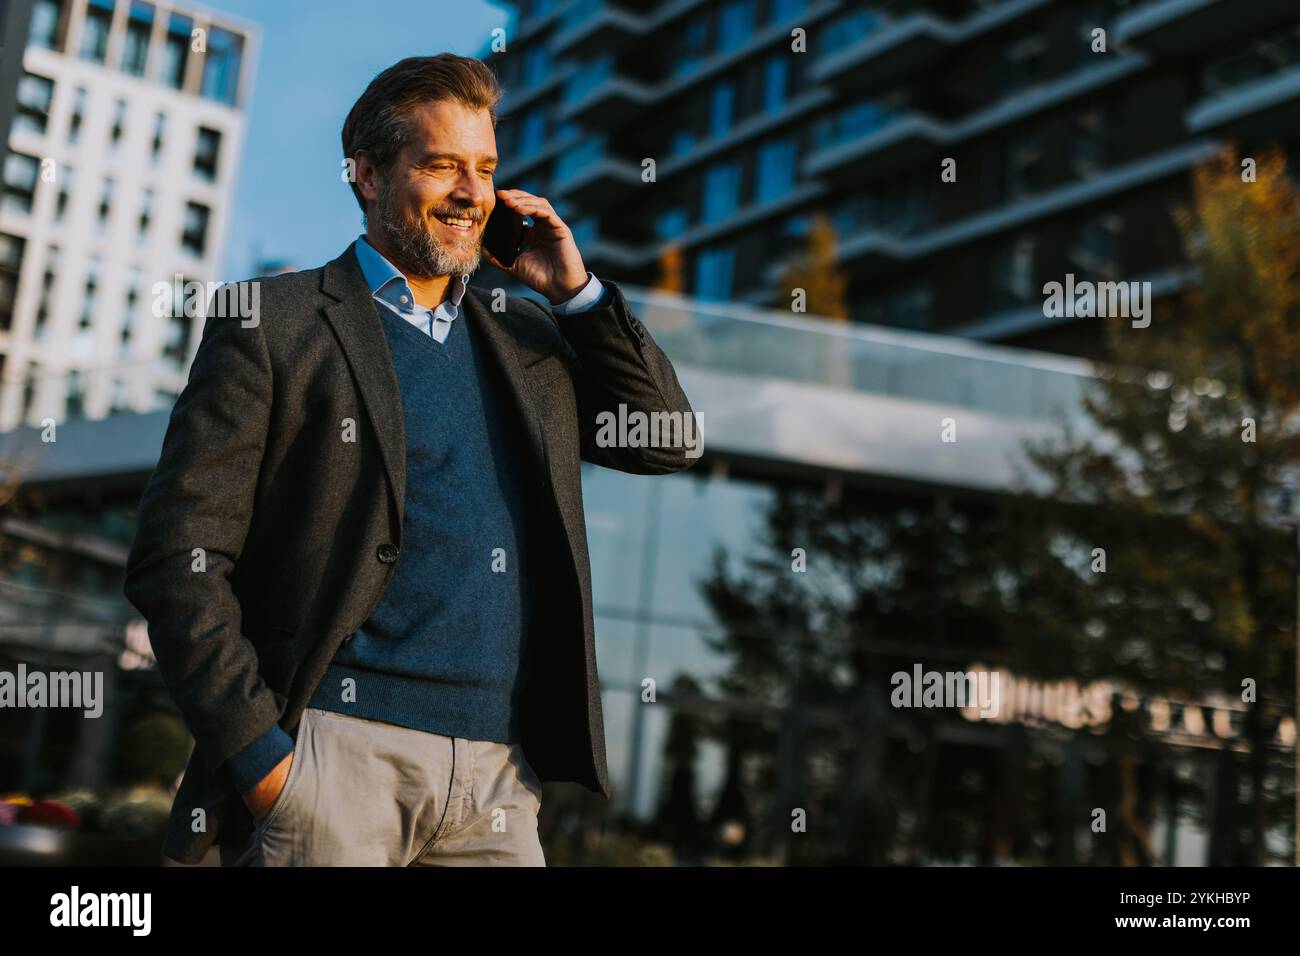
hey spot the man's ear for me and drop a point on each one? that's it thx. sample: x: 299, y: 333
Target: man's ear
x: 367, y: 176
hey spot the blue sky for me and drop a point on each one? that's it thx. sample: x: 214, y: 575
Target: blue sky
x: 316, y: 57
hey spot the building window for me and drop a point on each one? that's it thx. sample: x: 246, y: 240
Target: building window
x: 1024, y: 62
x: 910, y: 308
x: 146, y: 213
x: 206, y: 153
x: 221, y: 66
x: 119, y: 123
x: 1013, y: 274
x: 119, y: 403
x: 721, y: 192
x: 11, y: 264
x: 132, y: 301
x: 722, y: 109
x: 47, y: 25
x: 776, y: 170
x: 47, y: 290
x: 783, y: 10
x: 78, y: 112
x: 105, y: 201
x: 83, y: 339
x: 159, y: 128
x: 176, y: 50
x: 776, y: 81
x: 32, y: 113
x: 1096, y: 249
x: 19, y: 186
x: 694, y: 46
x: 585, y: 230
x: 1088, y: 144
x: 851, y: 122
x: 177, y: 343
x: 532, y: 133
x: 135, y: 52
x: 65, y: 193
x: 1024, y: 165
x: 76, y: 407
x: 29, y: 388
x: 735, y: 24
x: 194, y: 235
x: 713, y: 271
x: 94, y: 30
x: 537, y: 62
x: 671, y: 223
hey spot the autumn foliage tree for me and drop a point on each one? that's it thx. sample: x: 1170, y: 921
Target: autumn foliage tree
x: 816, y: 274
x: 1186, y: 492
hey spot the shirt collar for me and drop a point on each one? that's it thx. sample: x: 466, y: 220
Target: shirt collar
x: 386, y: 281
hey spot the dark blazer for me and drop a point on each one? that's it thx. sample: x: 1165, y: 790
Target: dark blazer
x: 300, y: 530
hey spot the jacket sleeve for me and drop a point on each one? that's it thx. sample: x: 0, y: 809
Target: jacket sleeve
x: 613, y: 361
x: 200, y: 496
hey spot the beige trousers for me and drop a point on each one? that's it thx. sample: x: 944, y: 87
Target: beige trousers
x: 366, y: 793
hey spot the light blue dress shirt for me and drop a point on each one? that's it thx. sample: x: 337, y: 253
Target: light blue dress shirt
x: 389, y: 286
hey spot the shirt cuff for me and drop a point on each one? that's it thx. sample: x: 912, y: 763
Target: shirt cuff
x: 585, y: 298
x: 251, y: 765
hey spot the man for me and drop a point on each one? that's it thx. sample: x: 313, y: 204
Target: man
x: 362, y: 554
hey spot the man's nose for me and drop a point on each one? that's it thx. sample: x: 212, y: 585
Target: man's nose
x: 468, y: 192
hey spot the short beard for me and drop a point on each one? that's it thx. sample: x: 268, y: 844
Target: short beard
x: 414, y: 246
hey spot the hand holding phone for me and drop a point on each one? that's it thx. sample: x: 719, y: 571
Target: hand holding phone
x: 505, y: 232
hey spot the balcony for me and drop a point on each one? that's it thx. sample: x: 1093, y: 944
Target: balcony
x: 587, y: 170
x: 597, y: 89
x: 1169, y: 27
x: 895, y: 140
x: 597, y: 24
x: 892, y: 142
x: 1255, y: 93
x: 517, y: 98
x: 887, y: 52
x: 603, y: 254
x: 872, y: 249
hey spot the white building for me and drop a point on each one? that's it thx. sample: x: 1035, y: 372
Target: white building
x: 119, y: 175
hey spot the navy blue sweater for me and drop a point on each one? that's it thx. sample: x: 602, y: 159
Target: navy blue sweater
x: 444, y: 649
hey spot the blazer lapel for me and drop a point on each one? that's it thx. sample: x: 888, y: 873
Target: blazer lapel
x: 356, y: 322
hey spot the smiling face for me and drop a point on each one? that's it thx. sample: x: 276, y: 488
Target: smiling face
x: 429, y: 210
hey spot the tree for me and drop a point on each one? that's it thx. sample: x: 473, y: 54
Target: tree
x: 817, y: 273
x: 670, y: 271
x: 1187, y: 488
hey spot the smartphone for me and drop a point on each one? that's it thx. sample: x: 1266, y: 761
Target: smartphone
x: 504, y: 234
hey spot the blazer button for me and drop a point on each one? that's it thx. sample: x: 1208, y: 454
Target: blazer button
x: 388, y: 552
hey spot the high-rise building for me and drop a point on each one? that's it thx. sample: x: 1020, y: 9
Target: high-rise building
x: 13, y: 35
x: 116, y: 184
x: 1073, y: 126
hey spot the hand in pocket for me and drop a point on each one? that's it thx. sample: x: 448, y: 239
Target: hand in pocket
x: 262, y: 797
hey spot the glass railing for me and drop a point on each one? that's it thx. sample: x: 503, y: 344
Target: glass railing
x: 872, y: 360
x: 842, y: 33
x: 578, y: 13
x: 573, y: 161
x: 851, y: 124
x: 1266, y: 58
x: 588, y: 77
